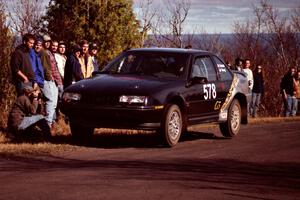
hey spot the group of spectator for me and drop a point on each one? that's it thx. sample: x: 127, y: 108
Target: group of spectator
x: 289, y: 87
x: 41, y: 69
x: 255, y: 83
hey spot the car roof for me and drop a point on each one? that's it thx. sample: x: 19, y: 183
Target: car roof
x: 170, y: 50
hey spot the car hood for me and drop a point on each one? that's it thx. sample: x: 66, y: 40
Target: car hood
x: 116, y: 84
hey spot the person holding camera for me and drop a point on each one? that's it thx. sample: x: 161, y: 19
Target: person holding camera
x: 23, y: 117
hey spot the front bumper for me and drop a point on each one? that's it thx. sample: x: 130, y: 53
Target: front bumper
x: 129, y: 117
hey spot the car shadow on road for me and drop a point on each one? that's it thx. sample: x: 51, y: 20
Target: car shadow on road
x: 196, y: 135
x: 148, y: 140
x: 119, y: 139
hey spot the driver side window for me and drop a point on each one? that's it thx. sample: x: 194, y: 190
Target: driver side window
x: 204, y: 67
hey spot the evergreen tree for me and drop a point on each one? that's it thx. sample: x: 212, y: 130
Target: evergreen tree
x: 7, y: 94
x: 111, y: 24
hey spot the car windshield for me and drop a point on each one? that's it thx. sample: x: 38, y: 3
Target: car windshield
x: 158, y: 64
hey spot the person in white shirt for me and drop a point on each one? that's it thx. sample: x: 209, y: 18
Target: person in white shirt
x: 249, y: 74
x: 61, y: 58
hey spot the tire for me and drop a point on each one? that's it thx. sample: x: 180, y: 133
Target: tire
x: 81, y: 135
x: 231, y: 127
x: 171, y: 126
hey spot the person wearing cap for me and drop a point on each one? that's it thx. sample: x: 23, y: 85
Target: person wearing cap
x: 50, y: 90
x: 45, y: 58
x: 35, y: 59
x: 85, y: 60
x: 22, y: 117
x: 93, y: 53
x: 22, y: 72
x: 47, y: 41
x: 73, y: 71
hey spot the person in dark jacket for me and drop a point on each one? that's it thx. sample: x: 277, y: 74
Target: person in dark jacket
x: 257, y: 91
x: 21, y: 68
x: 238, y: 64
x: 23, y: 117
x: 73, y: 71
x: 288, y: 92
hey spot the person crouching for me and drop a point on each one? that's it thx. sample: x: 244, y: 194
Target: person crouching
x: 23, y: 117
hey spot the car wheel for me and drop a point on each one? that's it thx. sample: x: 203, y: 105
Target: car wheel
x: 81, y: 135
x: 232, y: 126
x: 171, y: 126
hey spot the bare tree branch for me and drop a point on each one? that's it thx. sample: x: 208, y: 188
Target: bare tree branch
x: 25, y: 15
x: 169, y: 24
x: 147, y: 14
x: 296, y: 19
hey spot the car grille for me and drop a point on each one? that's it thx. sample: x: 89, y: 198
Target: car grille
x: 101, y: 100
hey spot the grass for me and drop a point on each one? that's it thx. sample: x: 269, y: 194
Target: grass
x: 262, y: 120
x: 38, y: 145
x: 62, y: 137
x: 61, y: 141
x: 43, y: 148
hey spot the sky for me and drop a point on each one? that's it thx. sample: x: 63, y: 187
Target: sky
x: 218, y: 16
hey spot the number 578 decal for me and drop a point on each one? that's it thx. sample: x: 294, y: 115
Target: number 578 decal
x: 210, y: 91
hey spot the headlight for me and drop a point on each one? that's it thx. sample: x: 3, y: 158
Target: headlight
x: 70, y: 96
x: 133, y: 99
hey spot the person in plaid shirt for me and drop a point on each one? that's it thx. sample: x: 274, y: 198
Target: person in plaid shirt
x: 50, y: 89
x: 54, y: 68
x: 55, y: 73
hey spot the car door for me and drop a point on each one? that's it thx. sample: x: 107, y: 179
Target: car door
x: 203, y: 95
x: 225, y: 78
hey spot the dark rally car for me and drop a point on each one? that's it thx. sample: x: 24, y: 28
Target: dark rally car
x: 159, y: 89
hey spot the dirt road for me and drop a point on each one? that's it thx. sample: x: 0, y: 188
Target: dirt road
x: 262, y: 162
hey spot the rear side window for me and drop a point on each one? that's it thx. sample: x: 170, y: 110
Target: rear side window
x: 204, y: 67
x: 225, y: 75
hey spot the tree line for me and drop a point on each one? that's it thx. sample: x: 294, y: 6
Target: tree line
x: 268, y: 38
